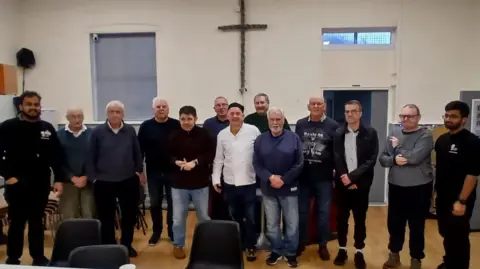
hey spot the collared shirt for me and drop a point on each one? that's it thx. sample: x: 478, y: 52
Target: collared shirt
x: 321, y: 120
x: 351, y: 149
x: 235, y: 156
x: 77, y: 134
x: 115, y: 130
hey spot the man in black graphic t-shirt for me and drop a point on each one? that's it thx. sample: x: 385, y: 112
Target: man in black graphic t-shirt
x: 316, y: 132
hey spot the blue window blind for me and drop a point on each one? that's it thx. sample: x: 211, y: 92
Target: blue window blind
x: 124, y: 68
x: 360, y: 37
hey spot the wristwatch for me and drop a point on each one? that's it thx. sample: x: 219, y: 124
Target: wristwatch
x: 462, y: 202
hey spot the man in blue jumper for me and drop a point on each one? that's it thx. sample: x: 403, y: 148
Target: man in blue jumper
x: 76, y: 200
x: 115, y: 167
x: 278, y: 161
x: 316, y: 132
x: 215, y: 124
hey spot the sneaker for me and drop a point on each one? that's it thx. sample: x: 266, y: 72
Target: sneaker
x: 442, y: 266
x: 323, y: 253
x: 393, y: 261
x: 415, y: 264
x: 12, y: 261
x: 154, y: 239
x: 341, y: 258
x: 132, y: 253
x: 40, y: 261
x: 179, y: 253
x: 251, y: 256
x: 273, y: 258
x: 291, y: 261
x: 359, y: 261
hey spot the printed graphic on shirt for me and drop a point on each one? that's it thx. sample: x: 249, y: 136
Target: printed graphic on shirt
x: 45, y: 135
x: 315, y: 143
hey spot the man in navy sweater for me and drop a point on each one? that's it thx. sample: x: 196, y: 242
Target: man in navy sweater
x: 115, y: 167
x: 278, y: 161
x: 153, y: 136
x: 316, y: 132
x: 77, y: 198
x: 218, y: 205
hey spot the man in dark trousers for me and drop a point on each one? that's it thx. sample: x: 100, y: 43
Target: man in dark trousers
x: 218, y: 205
x: 115, y: 167
x: 355, y: 151
x: 458, y: 166
x: 153, y: 136
x: 29, y: 148
x: 316, y: 132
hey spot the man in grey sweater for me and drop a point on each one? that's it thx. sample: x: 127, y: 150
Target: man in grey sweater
x: 115, y: 167
x: 408, y: 155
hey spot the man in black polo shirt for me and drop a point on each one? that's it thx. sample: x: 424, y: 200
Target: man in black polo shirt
x: 458, y: 166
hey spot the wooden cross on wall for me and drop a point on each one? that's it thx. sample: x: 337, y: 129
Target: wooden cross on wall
x: 243, y: 27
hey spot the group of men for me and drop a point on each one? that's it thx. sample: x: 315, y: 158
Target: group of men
x: 221, y: 166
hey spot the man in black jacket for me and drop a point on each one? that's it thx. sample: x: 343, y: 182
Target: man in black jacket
x: 356, y: 151
x: 29, y: 148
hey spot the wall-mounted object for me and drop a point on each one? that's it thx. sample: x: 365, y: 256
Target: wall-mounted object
x: 8, y: 79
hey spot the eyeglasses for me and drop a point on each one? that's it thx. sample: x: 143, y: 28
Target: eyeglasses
x: 450, y: 116
x: 408, y: 117
x: 351, y: 111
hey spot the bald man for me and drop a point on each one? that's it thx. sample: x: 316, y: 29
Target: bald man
x: 316, y: 132
x: 153, y: 136
x: 76, y: 200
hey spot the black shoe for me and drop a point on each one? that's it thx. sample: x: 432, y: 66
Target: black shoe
x: 291, y: 261
x: 359, y: 261
x: 12, y: 261
x: 442, y: 266
x: 251, y: 255
x: 132, y: 253
x: 341, y: 258
x: 154, y: 239
x: 273, y: 258
x: 323, y: 253
x: 40, y: 261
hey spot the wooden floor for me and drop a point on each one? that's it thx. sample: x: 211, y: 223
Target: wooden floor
x: 160, y: 256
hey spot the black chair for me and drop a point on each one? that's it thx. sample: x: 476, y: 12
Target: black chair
x: 216, y: 244
x: 99, y: 257
x: 73, y: 233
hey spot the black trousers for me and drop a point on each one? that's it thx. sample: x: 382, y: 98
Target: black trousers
x: 218, y: 204
x: 241, y: 201
x: 106, y: 194
x: 408, y: 205
x: 357, y: 202
x: 26, y: 203
x: 455, y: 231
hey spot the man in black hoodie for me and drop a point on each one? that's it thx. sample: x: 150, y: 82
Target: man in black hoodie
x: 29, y: 148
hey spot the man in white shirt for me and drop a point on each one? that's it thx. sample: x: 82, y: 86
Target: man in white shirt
x: 234, y: 157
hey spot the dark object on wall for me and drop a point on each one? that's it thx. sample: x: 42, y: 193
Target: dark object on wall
x: 16, y: 104
x: 25, y: 58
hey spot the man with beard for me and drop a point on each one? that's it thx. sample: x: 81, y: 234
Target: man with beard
x: 316, y: 132
x: 29, y: 148
x: 259, y: 117
x: 218, y: 205
x: 457, y: 162
x: 408, y: 157
x: 153, y: 136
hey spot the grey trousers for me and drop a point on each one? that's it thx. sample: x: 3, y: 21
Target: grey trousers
x: 76, y: 202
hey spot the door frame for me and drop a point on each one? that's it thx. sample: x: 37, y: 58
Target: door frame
x: 390, y: 119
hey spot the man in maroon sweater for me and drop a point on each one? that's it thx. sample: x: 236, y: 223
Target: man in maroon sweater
x: 192, y: 150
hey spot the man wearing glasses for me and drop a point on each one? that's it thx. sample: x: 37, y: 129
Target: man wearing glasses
x: 408, y: 155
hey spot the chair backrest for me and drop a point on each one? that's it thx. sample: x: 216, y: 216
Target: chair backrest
x: 99, y: 257
x: 216, y: 243
x: 73, y: 233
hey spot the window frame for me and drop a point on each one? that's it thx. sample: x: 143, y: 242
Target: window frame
x: 355, y: 31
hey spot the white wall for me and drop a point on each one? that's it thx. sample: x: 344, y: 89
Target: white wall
x: 432, y: 60
x: 9, y: 30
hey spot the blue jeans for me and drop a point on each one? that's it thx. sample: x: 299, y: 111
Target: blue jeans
x: 241, y: 202
x: 158, y: 185
x: 181, y: 199
x: 275, y: 206
x: 322, y: 191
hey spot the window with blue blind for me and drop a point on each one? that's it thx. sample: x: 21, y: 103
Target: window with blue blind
x: 360, y: 36
x: 124, y: 68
